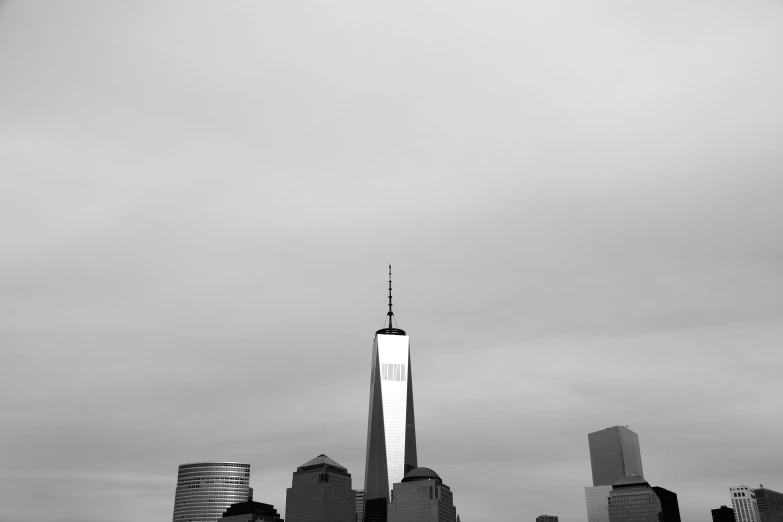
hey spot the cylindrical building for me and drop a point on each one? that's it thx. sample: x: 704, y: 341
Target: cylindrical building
x: 206, y: 489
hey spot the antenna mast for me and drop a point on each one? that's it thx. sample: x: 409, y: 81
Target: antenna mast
x: 390, y: 314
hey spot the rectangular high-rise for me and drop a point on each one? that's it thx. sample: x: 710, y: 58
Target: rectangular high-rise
x: 359, y: 505
x: 670, y: 507
x: 391, y: 428
x: 597, y: 502
x: 614, y: 453
x: 770, y: 504
x: 743, y: 500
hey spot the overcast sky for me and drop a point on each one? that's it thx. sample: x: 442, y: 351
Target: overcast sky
x: 581, y: 201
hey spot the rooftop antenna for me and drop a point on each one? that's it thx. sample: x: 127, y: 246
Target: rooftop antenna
x: 390, y: 314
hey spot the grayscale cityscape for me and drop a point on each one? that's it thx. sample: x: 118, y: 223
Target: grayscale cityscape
x: 416, y: 261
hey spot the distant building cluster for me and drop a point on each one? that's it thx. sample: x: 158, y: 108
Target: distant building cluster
x: 396, y: 489
x: 620, y: 493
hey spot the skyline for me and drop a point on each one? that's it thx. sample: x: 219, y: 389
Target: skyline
x: 580, y: 200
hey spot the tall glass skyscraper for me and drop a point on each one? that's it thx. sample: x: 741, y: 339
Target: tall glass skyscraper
x: 391, y: 428
x: 206, y: 489
x: 614, y: 453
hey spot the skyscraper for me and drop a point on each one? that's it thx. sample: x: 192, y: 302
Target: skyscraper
x: 669, y: 505
x: 614, y: 453
x: 722, y: 514
x: 206, y: 489
x: 359, y: 505
x: 320, y: 492
x: 597, y: 501
x: 422, y: 497
x: 770, y: 504
x: 391, y: 428
x: 632, y: 498
x: 743, y: 500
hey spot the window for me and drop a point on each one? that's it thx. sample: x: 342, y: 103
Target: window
x: 393, y: 372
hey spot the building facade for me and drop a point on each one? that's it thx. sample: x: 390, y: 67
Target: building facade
x: 770, y: 504
x: 632, y: 499
x: 669, y: 504
x: 743, y: 500
x: 359, y: 505
x: 597, y: 501
x: 421, y: 496
x: 206, y: 489
x: 722, y: 514
x: 546, y: 518
x: 614, y: 453
x: 251, y: 512
x: 391, y: 426
x: 320, y: 492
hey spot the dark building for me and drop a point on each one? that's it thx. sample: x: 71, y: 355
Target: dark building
x: 250, y: 512
x: 669, y: 505
x: 421, y: 497
x: 320, y: 492
x: 546, y: 518
x: 632, y: 498
x: 614, y: 453
x: 770, y: 504
x: 723, y: 514
x: 391, y: 426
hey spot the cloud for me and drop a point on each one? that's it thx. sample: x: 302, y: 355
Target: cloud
x: 580, y: 201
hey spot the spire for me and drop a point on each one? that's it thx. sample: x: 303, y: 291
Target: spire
x: 390, y: 329
x: 390, y: 314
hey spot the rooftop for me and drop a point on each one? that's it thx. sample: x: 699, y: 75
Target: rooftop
x: 421, y: 474
x: 320, y: 461
x: 631, y: 480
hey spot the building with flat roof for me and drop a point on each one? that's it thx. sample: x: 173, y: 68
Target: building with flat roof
x: 359, y: 505
x: 632, y: 499
x: 614, y: 453
x: 669, y: 505
x: 250, y: 511
x: 770, y: 504
x: 743, y: 501
x: 722, y: 514
x: 421, y: 497
x: 320, y: 492
x: 206, y: 489
x: 597, y: 502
